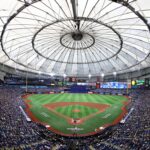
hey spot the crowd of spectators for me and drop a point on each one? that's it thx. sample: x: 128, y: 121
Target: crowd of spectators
x: 110, y: 91
x: 17, y: 133
x: 45, y: 90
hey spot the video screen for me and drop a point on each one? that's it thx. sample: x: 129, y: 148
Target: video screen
x: 114, y: 85
x: 137, y: 82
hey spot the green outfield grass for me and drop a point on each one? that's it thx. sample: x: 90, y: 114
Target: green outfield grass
x: 56, y: 117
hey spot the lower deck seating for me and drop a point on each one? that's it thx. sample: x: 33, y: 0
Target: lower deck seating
x: 16, y: 132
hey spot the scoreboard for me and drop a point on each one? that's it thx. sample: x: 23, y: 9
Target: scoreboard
x: 74, y: 79
x: 143, y: 83
x: 137, y: 82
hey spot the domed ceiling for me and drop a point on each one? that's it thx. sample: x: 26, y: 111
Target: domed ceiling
x: 75, y: 37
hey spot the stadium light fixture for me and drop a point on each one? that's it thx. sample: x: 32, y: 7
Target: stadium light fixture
x: 64, y: 75
x: 52, y: 74
x: 89, y: 75
x: 102, y: 75
x: 114, y: 73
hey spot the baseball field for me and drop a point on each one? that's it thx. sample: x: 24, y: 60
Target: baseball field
x: 76, y: 114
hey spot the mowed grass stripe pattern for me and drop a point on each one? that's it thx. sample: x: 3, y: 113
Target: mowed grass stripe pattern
x: 70, y: 111
x: 46, y: 116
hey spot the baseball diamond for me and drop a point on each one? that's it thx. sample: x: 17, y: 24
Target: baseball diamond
x: 88, y: 113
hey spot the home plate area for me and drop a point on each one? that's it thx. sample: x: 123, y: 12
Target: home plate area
x: 76, y: 121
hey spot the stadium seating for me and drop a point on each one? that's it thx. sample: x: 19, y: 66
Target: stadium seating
x: 16, y: 132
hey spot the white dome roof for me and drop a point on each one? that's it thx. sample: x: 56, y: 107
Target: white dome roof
x: 90, y: 37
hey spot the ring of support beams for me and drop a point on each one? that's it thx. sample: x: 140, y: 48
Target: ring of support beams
x: 90, y: 41
x: 90, y: 45
x: 26, y: 5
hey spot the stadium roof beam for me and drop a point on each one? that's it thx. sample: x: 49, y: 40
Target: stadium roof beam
x: 75, y: 58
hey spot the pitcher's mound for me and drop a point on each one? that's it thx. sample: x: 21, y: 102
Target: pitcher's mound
x: 76, y: 110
